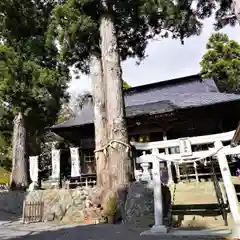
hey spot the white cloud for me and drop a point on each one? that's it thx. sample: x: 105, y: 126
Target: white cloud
x: 79, y: 84
x: 166, y: 59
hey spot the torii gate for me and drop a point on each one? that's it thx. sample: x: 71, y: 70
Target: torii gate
x: 186, y: 155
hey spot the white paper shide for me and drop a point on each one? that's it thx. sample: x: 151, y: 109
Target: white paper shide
x: 55, y: 164
x: 75, y: 162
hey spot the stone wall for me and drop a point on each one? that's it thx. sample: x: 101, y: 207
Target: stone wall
x: 69, y: 205
x: 63, y: 205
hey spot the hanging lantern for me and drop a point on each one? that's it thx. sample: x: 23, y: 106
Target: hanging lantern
x: 140, y: 139
x: 132, y: 139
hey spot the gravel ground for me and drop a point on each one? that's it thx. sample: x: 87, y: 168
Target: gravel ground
x: 11, y: 229
x: 17, y: 231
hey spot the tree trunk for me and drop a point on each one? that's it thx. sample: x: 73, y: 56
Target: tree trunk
x: 236, y: 6
x: 120, y: 171
x: 19, y: 175
x: 99, y: 101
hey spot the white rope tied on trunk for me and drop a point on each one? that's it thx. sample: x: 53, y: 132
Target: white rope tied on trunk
x: 112, y: 144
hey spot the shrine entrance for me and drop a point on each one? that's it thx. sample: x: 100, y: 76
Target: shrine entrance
x: 215, y: 155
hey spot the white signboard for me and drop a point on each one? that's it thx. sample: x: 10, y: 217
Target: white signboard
x: 33, y: 168
x: 55, y: 164
x: 185, y: 147
x: 75, y: 163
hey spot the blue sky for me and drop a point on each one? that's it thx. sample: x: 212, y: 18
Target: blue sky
x: 166, y: 59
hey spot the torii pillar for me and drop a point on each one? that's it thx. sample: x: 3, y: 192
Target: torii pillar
x: 169, y: 164
x: 230, y: 189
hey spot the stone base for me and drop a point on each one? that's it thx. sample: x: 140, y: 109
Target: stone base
x: 211, y: 232
x: 235, y: 233
x: 33, y: 186
x: 163, y: 231
x: 156, y: 230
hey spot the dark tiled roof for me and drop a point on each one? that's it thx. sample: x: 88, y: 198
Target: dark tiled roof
x: 163, y: 97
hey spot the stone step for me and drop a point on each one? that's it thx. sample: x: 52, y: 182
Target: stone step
x: 198, y: 221
x: 236, y: 180
x: 195, y: 200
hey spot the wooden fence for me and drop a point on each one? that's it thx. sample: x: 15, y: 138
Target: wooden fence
x: 32, y: 212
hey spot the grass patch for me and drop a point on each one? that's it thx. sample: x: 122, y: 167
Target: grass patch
x: 4, y: 176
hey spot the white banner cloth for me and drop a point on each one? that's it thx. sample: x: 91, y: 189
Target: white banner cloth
x: 75, y: 162
x: 55, y: 164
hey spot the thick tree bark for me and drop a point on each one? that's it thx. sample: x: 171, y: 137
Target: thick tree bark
x: 100, y: 114
x: 120, y: 171
x: 19, y: 175
x: 236, y: 6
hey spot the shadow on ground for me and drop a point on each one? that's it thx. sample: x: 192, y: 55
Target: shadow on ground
x: 99, y: 232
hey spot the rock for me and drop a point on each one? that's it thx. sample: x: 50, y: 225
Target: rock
x: 139, y: 205
x: 33, y: 186
x: 58, y: 211
x: 34, y: 196
x: 73, y: 215
x: 95, y: 195
x: 94, y: 215
x: 139, y: 208
x: 122, y: 193
x: 51, y: 197
x: 79, y: 196
x: 66, y: 199
x: 49, y: 217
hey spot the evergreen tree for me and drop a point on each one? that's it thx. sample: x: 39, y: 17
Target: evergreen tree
x: 222, y: 62
x: 95, y: 36
x: 33, y: 81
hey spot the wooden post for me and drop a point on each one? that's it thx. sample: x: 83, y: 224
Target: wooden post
x: 177, y: 168
x: 227, y: 180
x: 23, y: 211
x: 196, y: 172
x: 169, y: 164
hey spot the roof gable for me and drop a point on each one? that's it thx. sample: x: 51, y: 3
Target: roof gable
x: 170, y: 90
x: 162, y: 97
x: 193, y: 83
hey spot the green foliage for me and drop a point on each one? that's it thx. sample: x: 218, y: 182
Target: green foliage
x: 189, y: 13
x: 32, y: 79
x: 65, y: 113
x: 111, y: 206
x: 222, y: 9
x: 4, y: 176
x: 126, y: 85
x: 76, y: 25
x: 31, y: 88
x: 222, y: 62
x: 5, y: 153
